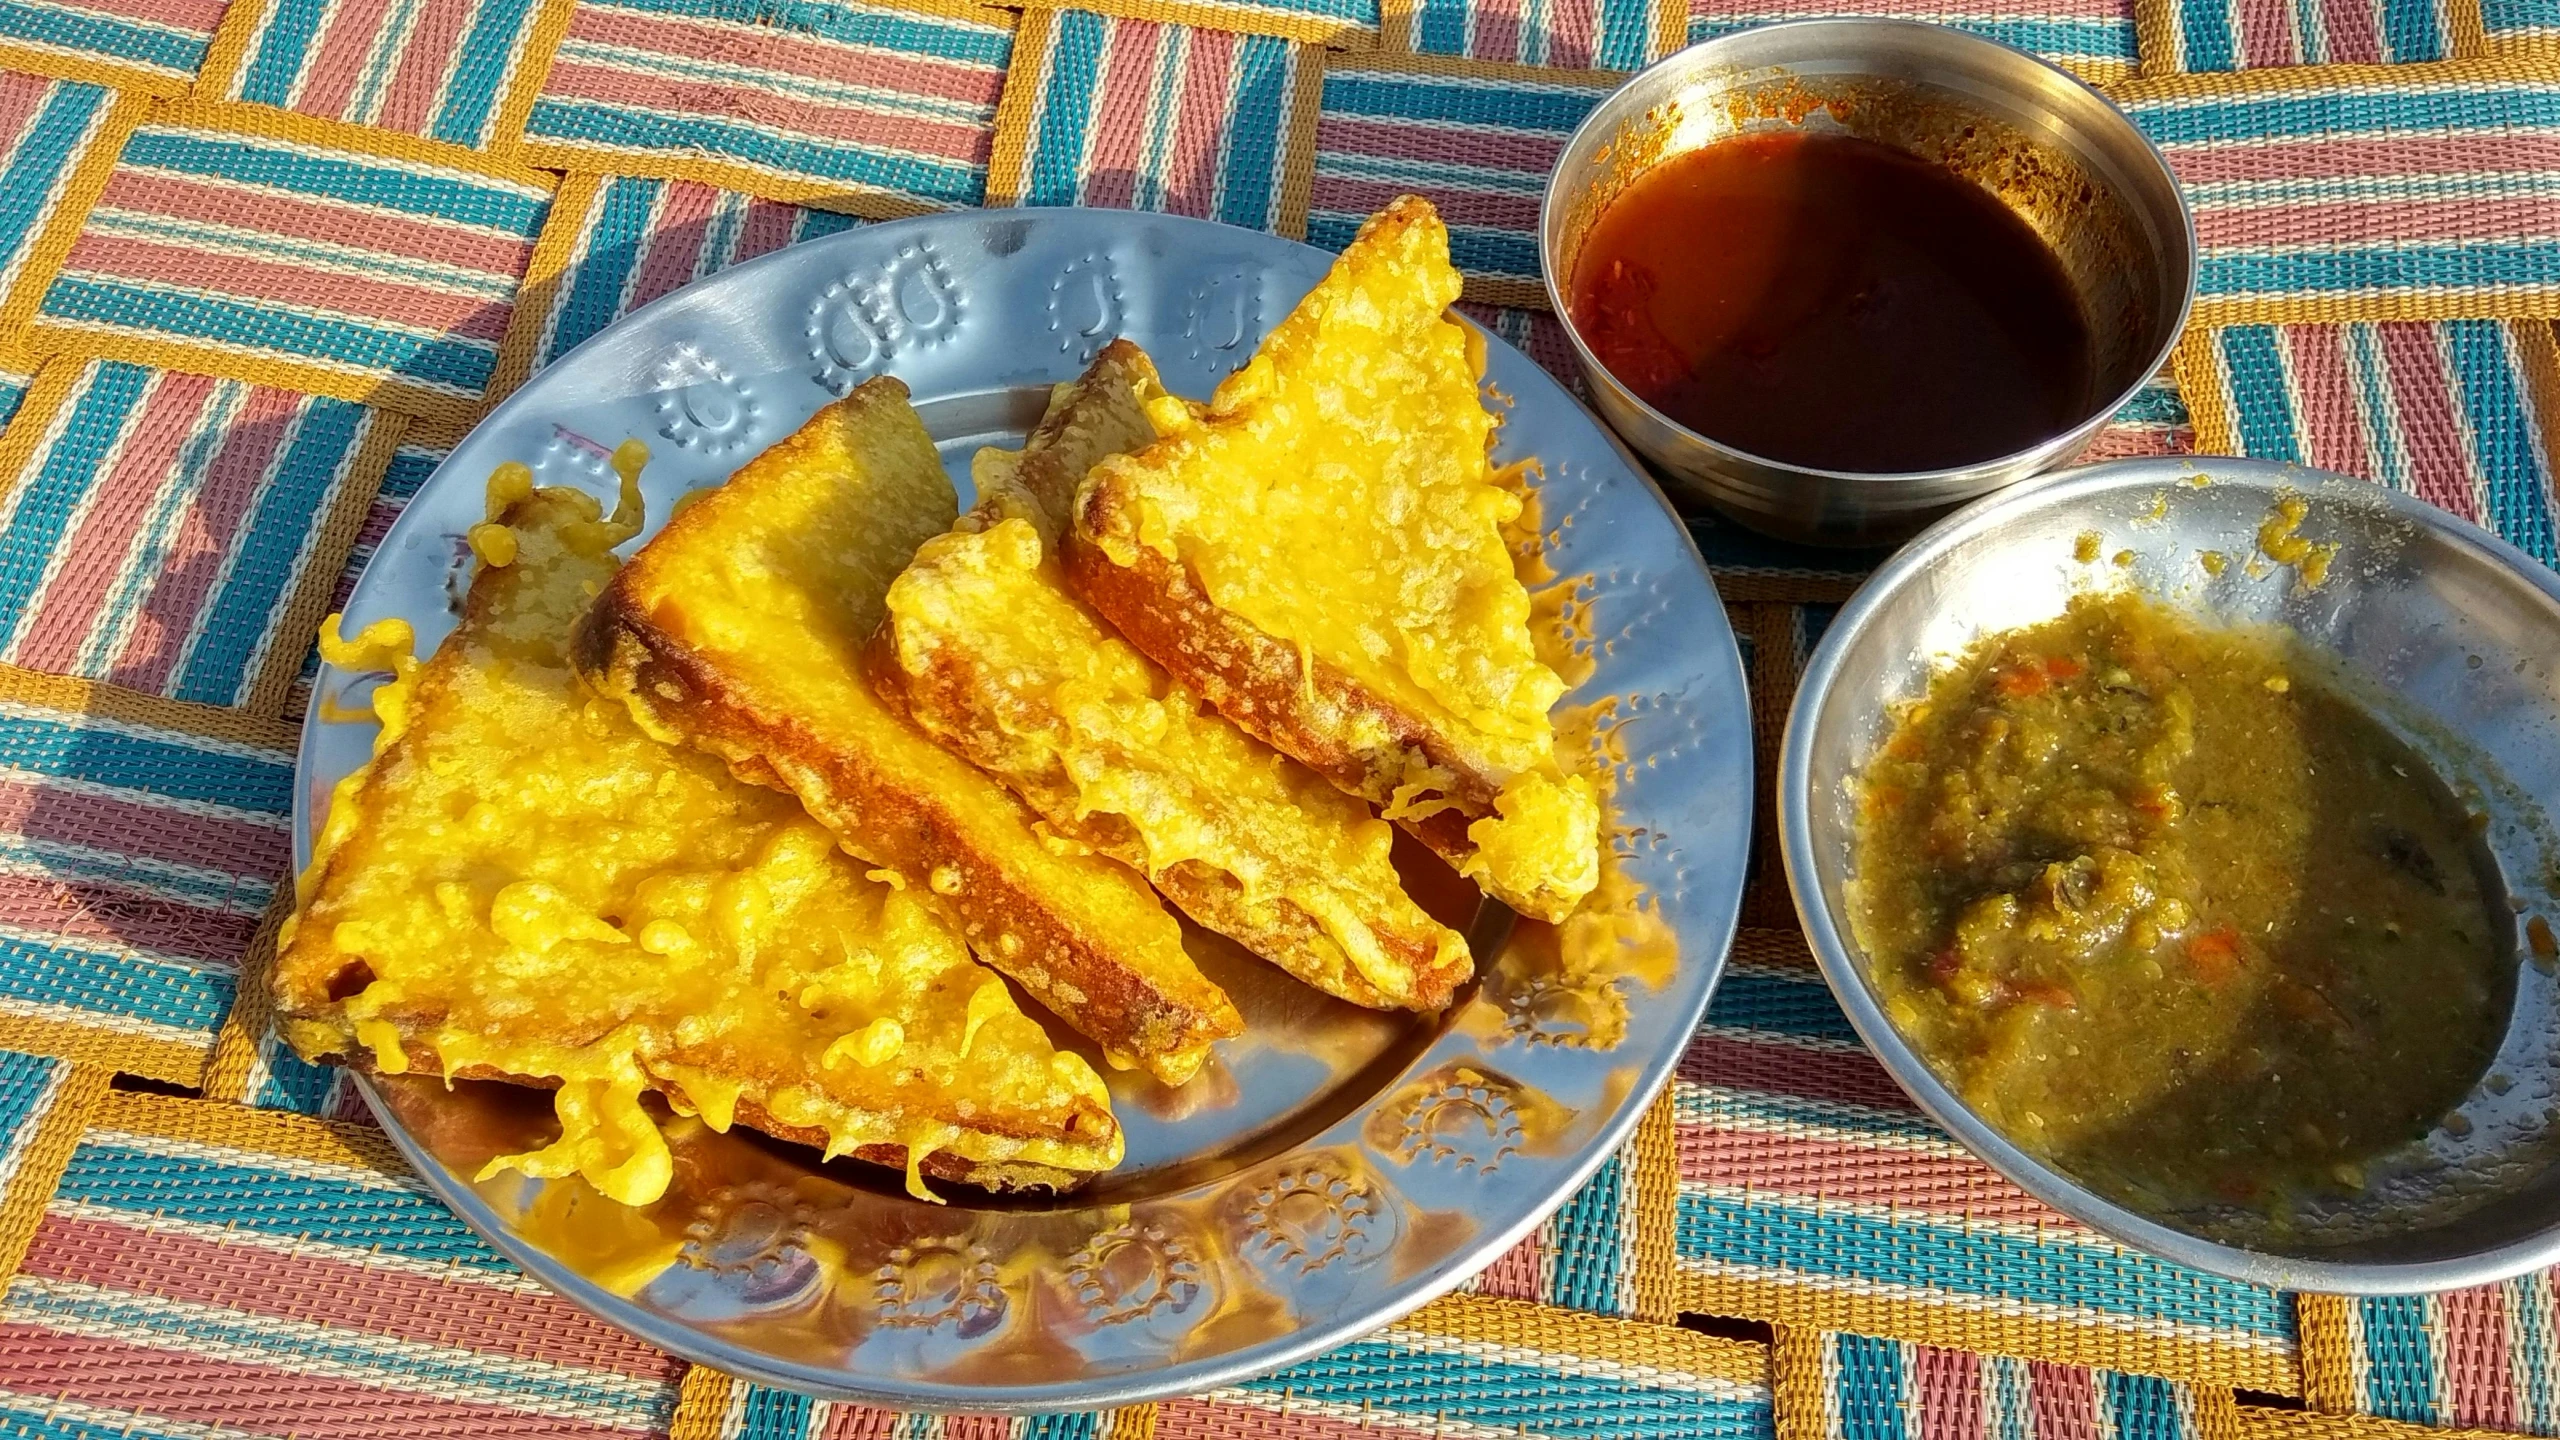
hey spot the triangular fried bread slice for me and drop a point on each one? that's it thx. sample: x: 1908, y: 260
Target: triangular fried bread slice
x: 1322, y: 557
x: 985, y: 649
x: 520, y: 885
x: 739, y: 629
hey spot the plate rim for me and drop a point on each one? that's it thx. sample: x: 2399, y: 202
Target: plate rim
x: 1715, y: 921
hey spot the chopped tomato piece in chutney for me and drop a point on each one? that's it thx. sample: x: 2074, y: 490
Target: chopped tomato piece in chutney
x: 2170, y: 910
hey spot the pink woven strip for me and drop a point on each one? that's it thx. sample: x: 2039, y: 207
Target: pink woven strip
x: 103, y: 915
x: 2430, y: 422
x: 117, y: 507
x: 398, y: 1304
x: 2473, y: 1341
x: 348, y: 31
x: 2332, y: 423
x: 673, y: 253
x: 198, y: 554
x: 164, y: 194
x: 181, y: 1385
x: 1948, y: 1385
x: 426, y: 58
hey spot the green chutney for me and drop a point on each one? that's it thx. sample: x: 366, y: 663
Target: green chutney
x: 2170, y: 912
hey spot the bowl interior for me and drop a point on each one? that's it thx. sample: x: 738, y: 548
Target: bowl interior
x: 2051, y: 150
x: 2451, y: 640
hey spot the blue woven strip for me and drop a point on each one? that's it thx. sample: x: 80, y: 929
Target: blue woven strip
x: 1867, y: 1390
x: 2400, y: 1379
x: 112, y: 1174
x: 1774, y: 1235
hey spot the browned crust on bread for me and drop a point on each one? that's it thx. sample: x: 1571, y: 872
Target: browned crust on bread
x: 676, y: 691
x: 986, y: 1175
x: 1256, y: 680
x: 1278, y: 930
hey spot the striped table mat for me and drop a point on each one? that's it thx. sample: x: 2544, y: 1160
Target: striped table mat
x: 263, y: 261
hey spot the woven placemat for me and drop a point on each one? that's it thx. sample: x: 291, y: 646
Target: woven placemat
x: 263, y: 261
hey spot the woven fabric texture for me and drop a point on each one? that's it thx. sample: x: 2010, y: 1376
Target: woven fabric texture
x: 263, y: 261
x: 1887, y: 1390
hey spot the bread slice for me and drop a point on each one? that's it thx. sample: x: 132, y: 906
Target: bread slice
x: 520, y: 885
x: 986, y: 651
x: 739, y: 629
x: 1322, y: 557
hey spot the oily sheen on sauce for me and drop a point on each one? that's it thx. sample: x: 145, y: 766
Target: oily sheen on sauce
x: 1832, y: 302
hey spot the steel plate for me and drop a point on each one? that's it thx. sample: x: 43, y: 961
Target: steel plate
x: 1332, y: 1168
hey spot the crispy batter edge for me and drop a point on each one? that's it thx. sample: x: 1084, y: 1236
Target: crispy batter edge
x: 1282, y: 932
x: 1254, y: 679
x: 626, y: 657
x: 942, y: 1165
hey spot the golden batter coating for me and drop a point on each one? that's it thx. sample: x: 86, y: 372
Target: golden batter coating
x: 522, y: 885
x: 1322, y: 557
x: 739, y: 629
x: 984, y: 648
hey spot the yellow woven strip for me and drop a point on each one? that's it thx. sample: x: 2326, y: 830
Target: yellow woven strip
x: 2217, y: 1415
x: 2155, y: 36
x: 572, y: 209
x: 2327, y: 1325
x: 2466, y: 33
x: 237, y: 1127
x: 702, y: 1405
x: 2538, y: 50
x: 1397, y: 22
x: 66, y: 1119
x: 594, y: 159
x: 2538, y: 350
x: 524, y: 84
x: 2480, y: 304
x: 1523, y: 1325
x: 299, y: 618
x: 1506, y: 291
x: 364, y: 387
x: 80, y: 190
x: 1138, y: 1422
x: 219, y: 75
x: 1995, y: 1329
x: 1799, y: 1385
x: 2257, y: 1422
x: 1298, y: 161
x: 112, y: 1050
x: 1009, y: 156
x: 62, y: 65
x: 2293, y: 79
x: 233, y: 1062
x: 2197, y: 362
x: 1670, y: 27
x: 1655, y: 1226
x: 74, y: 697
x: 2104, y: 74
x: 241, y: 118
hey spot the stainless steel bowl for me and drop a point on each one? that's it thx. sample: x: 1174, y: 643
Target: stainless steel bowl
x: 2450, y: 635
x: 2049, y: 147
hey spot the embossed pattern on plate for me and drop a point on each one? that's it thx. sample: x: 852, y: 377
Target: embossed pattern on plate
x: 1331, y: 1169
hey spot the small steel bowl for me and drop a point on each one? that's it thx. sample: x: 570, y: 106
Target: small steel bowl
x: 2050, y: 148
x: 2447, y: 634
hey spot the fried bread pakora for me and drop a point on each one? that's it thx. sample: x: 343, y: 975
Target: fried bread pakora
x: 984, y: 648
x: 521, y: 885
x: 1322, y: 557
x: 739, y: 630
